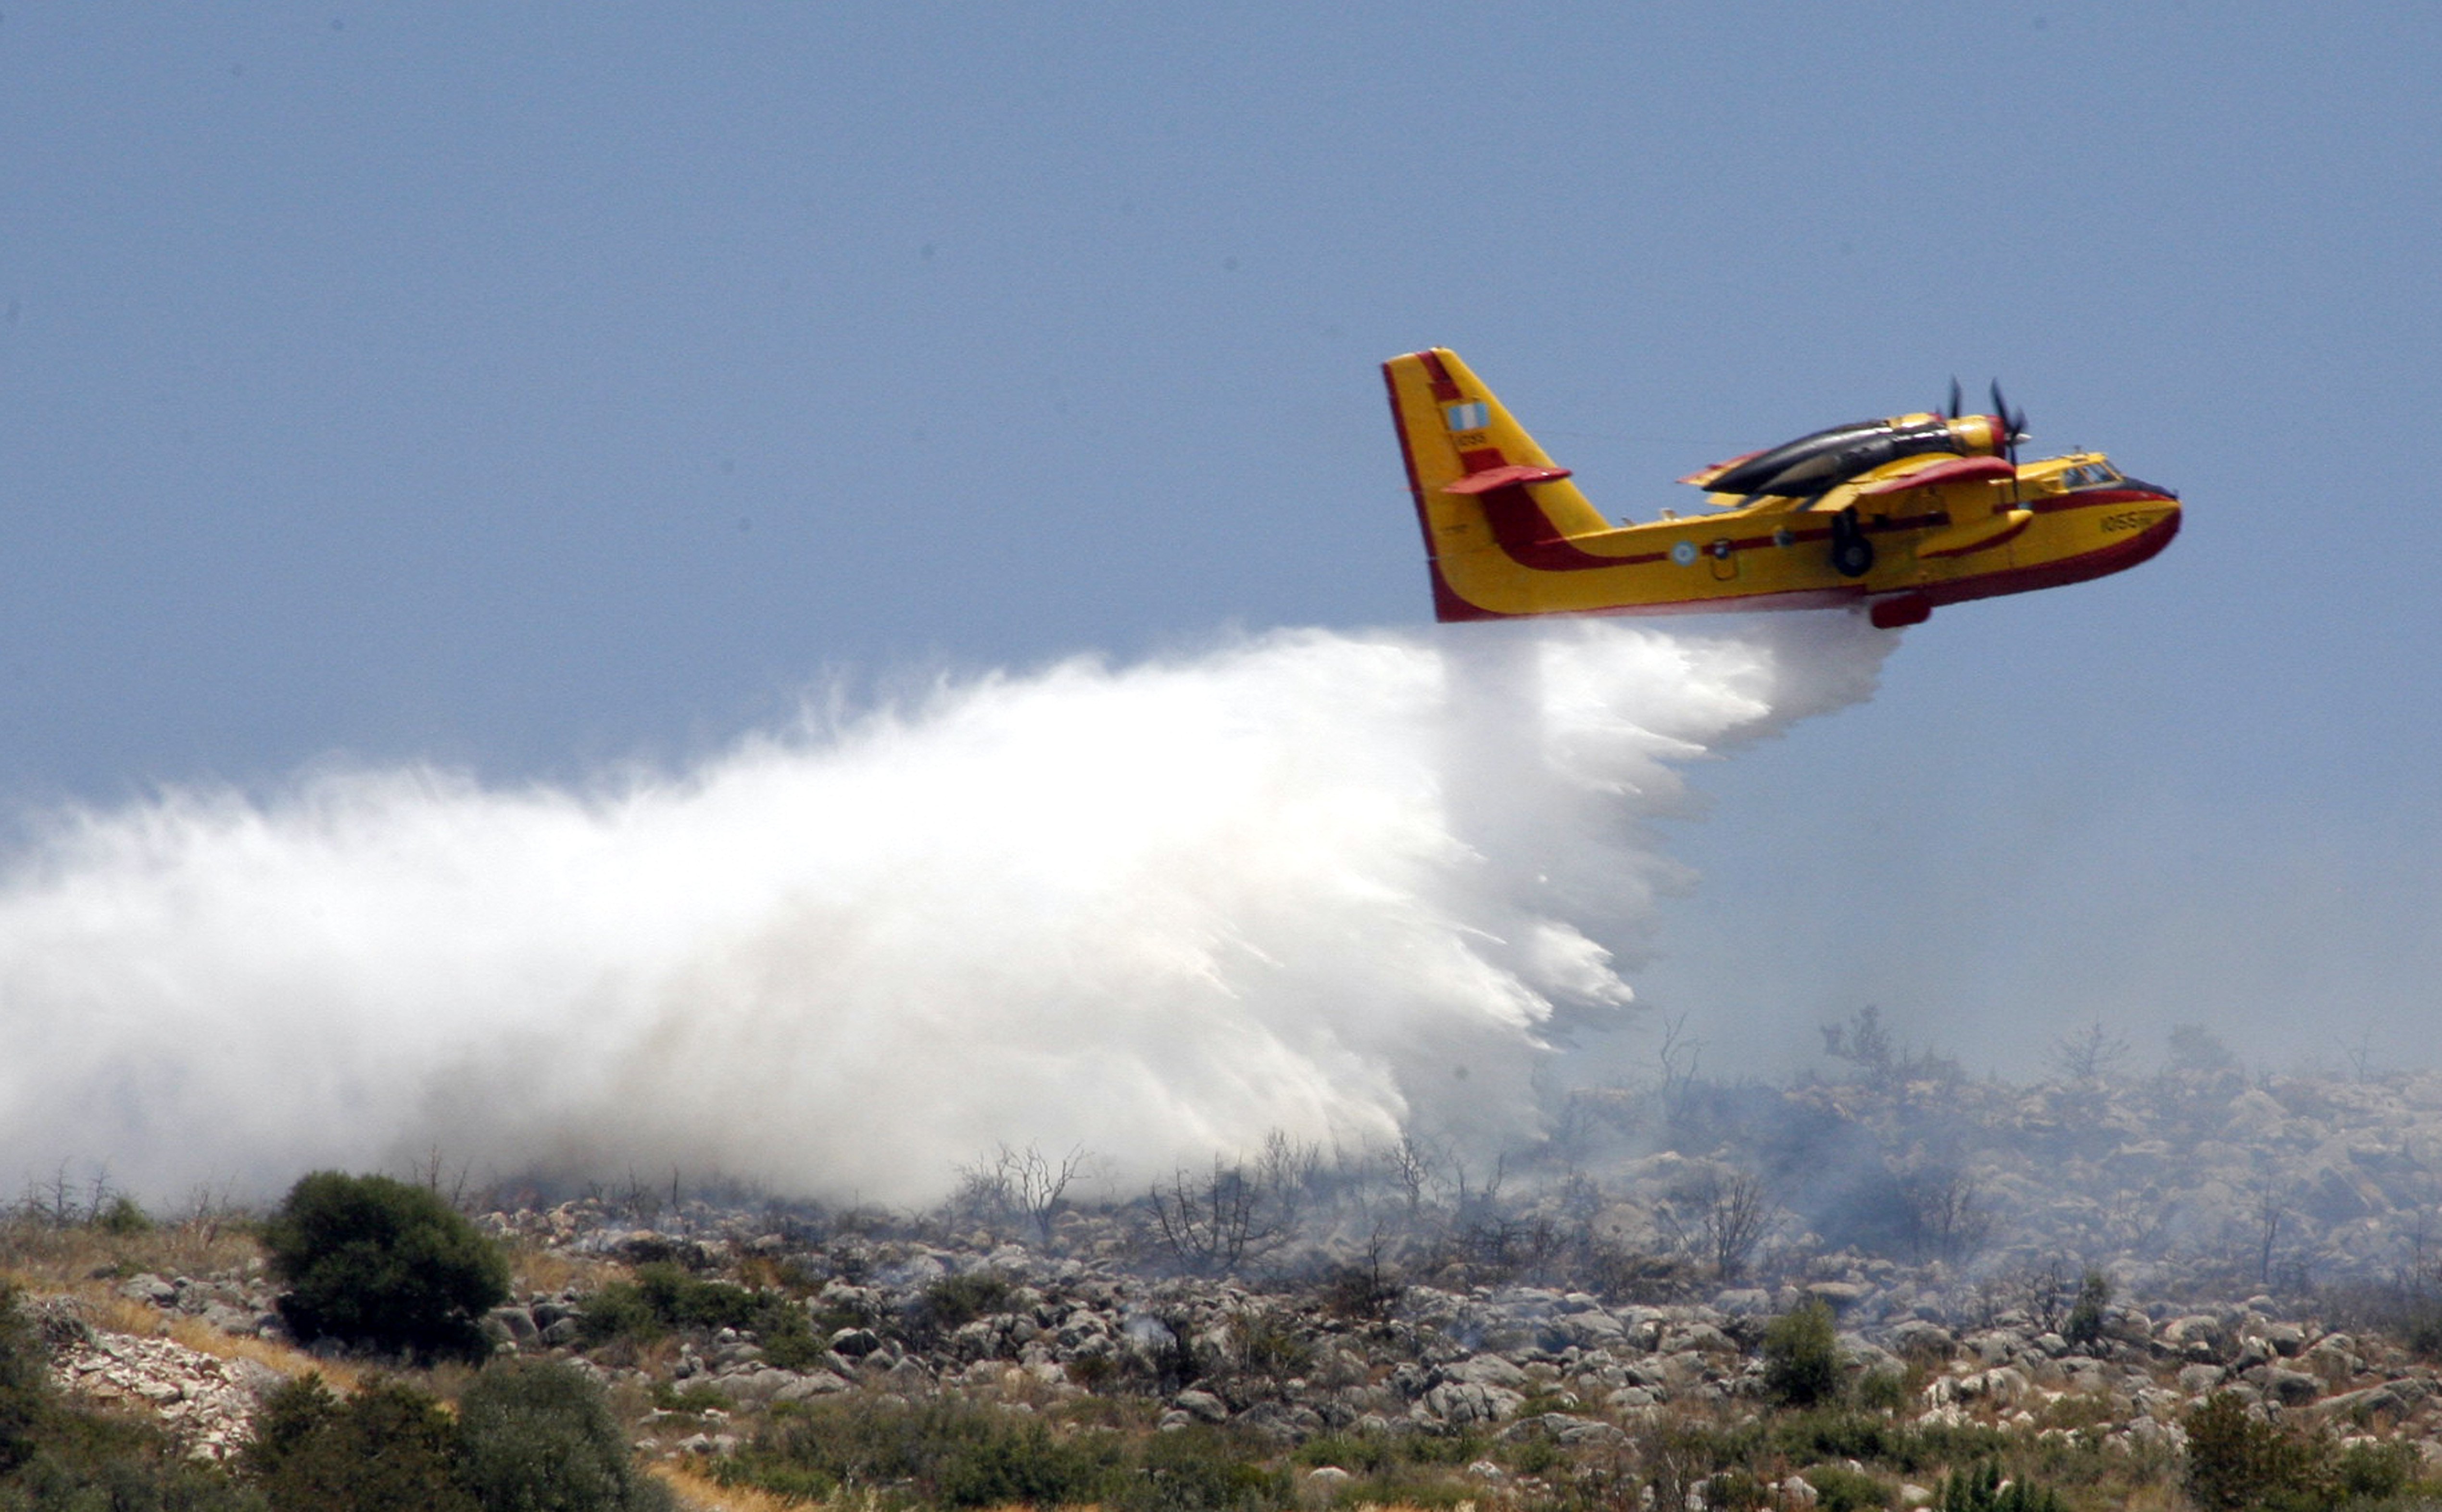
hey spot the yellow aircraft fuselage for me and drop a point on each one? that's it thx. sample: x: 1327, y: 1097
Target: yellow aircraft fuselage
x: 1898, y: 516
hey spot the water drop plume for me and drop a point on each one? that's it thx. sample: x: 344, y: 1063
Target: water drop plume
x: 1337, y: 885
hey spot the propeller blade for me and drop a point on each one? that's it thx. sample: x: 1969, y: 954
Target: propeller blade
x: 1956, y: 397
x: 2014, y: 426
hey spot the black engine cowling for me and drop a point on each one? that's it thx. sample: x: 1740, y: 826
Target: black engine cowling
x: 1814, y: 463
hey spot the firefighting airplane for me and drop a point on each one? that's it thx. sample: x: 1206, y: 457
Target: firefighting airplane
x: 1898, y: 515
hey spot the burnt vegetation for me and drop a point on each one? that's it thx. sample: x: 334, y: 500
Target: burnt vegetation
x: 1884, y: 1284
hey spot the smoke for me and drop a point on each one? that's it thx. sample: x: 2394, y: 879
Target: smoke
x: 1340, y: 885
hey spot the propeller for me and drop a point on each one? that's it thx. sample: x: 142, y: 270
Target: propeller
x: 1957, y: 399
x: 2013, y: 422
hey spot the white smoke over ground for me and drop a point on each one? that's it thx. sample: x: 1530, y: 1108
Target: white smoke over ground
x: 1333, y: 884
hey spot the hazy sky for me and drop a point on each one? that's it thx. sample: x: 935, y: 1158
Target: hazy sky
x: 536, y: 389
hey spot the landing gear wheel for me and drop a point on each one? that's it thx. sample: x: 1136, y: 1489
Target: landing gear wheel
x: 1852, y: 554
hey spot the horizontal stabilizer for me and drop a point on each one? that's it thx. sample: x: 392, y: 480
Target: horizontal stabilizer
x: 1491, y: 477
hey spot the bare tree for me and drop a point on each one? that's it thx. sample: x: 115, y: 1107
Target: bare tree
x: 1676, y: 1064
x: 2089, y: 1054
x: 1862, y: 1041
x: 2268, y: 1210
x: 1211, y: 1224
x: 1290, y: 1171
x: 1020, y: 1184
x: 641, y: 1199
x: 2046, y: 1292
x: 1721, y: 1221
x: 1412, y: 1169
x: 1039, y: 1184
x: 1882, y: 1061
x: 2362, y: 1055
x: 1946, y: 1217
x: 1371, y: 1292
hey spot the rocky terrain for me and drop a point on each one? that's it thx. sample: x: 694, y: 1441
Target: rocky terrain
x: 2057, y: 1277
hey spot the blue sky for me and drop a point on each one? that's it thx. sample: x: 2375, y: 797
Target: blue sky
x: 536, y: 389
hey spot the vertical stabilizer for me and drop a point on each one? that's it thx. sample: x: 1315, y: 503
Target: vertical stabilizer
x: 1480, y: 481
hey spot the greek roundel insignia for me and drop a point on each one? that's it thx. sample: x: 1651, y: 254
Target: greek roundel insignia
x: 1468, y: 416
x: 1684, y: 554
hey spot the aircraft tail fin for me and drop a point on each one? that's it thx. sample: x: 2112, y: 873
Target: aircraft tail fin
x: 1479, y: 480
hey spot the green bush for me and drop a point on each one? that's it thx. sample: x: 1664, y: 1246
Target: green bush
x: 95, y: 1461
x: 663, y: 1297
x: 1801, y: 1356
x: 2084, y: 1326
x: 1882, y: 1390
x: 1978, y: 1488
x: 949, y: 1452
x: 1196, y: 1471
x: 124, y: 1218
x: 1839, y: 1488
x: 388, y: 1449
x: 538, y: 1436
x: 25, y: 1386
x: 2243, y: 1464
x: 954, y: 1300
x: 530, y: 1436
x: 2376, y: 1472
x: 1740, y: 1491
x: 378, y: 1261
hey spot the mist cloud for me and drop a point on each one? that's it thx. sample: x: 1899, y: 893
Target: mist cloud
x: 1335, y: 884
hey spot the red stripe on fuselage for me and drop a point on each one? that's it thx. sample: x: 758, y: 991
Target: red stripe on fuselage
x: 1527, y: 537
x: 1985, y: 545
x: 2086, y: 566
x: 2094, y: 499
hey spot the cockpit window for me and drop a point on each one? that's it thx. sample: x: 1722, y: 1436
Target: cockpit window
x: 2089, y: 475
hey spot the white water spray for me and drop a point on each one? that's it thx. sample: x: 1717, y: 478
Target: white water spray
x: 1338, y: 886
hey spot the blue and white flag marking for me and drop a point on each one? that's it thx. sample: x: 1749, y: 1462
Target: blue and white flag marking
x: 1468, y: 416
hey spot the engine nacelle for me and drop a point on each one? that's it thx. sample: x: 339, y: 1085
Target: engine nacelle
x: 1814, y: 463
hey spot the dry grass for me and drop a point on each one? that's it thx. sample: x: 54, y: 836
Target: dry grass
x: 107, y: 1310
x: 291, y: 1362
x: 533, y: 1270
x: 700, y: 1491
x: 43, y: 1256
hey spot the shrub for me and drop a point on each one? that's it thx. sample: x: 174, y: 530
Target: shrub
x: 662, y: 1298
x: 388, y: 1449
x: 25, y: 1387
x: 2237, y: 1461
x: 954, y: 1300
x: 2084, y: 1326
x: 124, y: 1218
x: 1979, y: 1489
x: 1801, y: 1356
x: 99, y: 1461
x: 378, y: 1261
x: 1268, y: 1345
x: 1366, y: 1293
x: 1194, y: 1470
x: 1839, y: 1488
x: 949, y: 1452
x: 2376, y: 1472
x: 538, y: 1436
x: 1882, y: 1390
